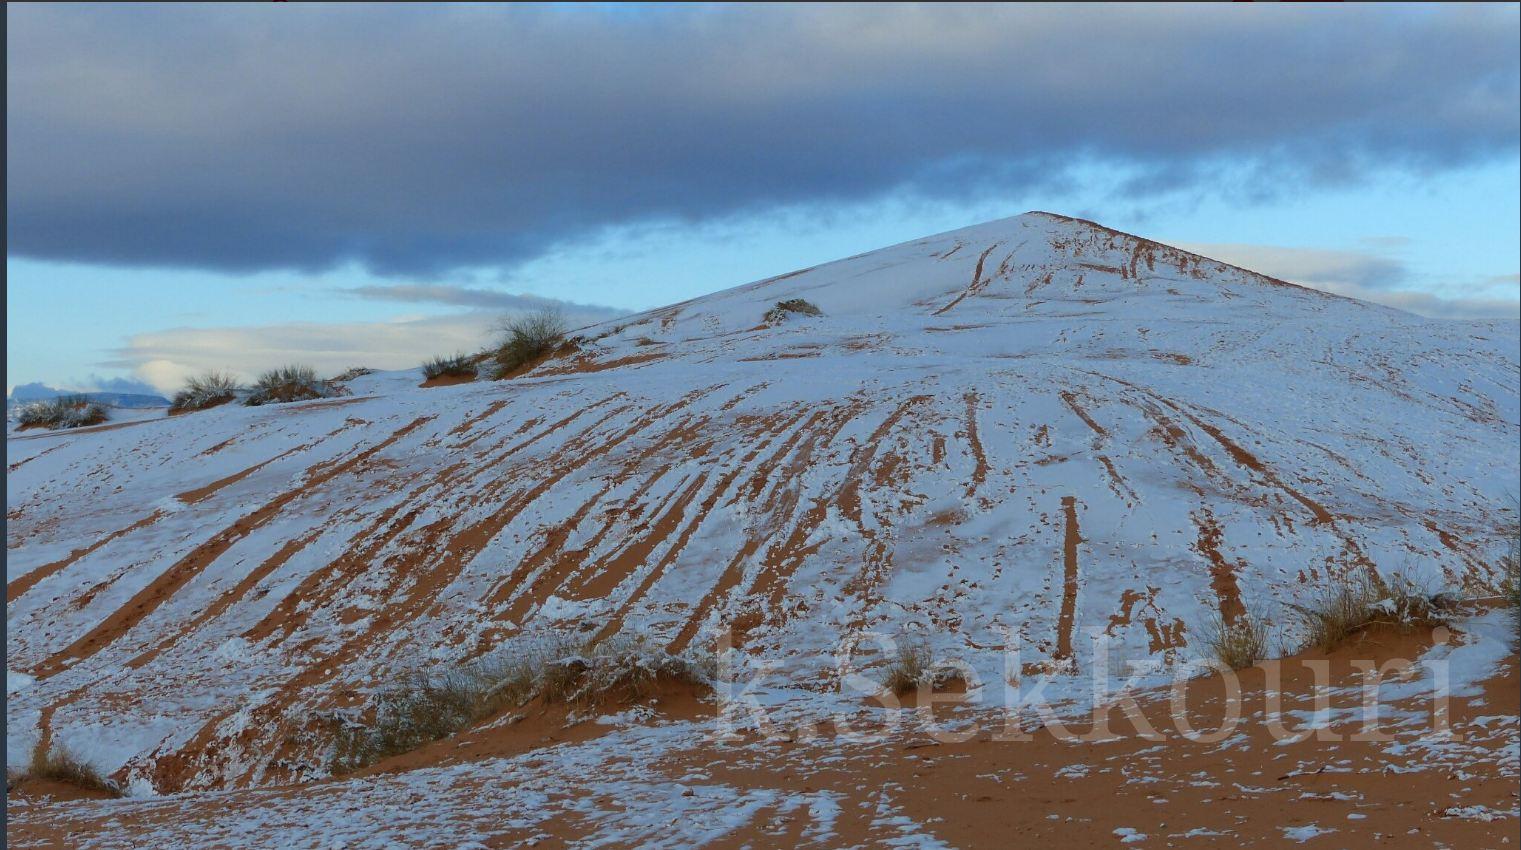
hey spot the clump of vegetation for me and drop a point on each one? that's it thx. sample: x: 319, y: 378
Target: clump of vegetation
x: 204, y: 391
x: 1340, y: 610
x: 351, y: 373
x: 1408, y: 605
x: 70, y: 411
x: 1239, y: 643
x: 288, y: 383
x: 1510, y: 585
x: 1356, y: 603
x: 792, y: 305
x: 424, y: 708
x: 59, y: 765
x: 458, y: 366
x: 528, y: 339
x: 909, y: 670
x: 617, y: 671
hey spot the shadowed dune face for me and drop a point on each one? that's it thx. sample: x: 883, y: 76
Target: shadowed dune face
x: 1023, y: 433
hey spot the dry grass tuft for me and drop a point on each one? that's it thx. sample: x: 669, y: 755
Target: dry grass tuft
x: 1238, y: 644
x: 204, y: 391
x: 1356, y: 602
x: 423, y: 707
x: 792, y: 305
x: 528, y: 339
x: 1510, y: 585
x: 351, y: 373
x: 59, y: 765
x: 909, y: 670
x: 458, y: 366
x: 621, y: 670
x: 70, y: 411
x: 286, y: 384
x: 1409, y: 606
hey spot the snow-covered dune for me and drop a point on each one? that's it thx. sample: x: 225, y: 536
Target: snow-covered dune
x: 1026, y: 430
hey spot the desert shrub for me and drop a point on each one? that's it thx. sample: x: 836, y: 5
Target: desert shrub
x: 423, y: 707
x: 1355, y: 602
x: 1409, y: 605
x: 1510, y: 585
x: 70, y: 411
x: 528, y: 339
x: 909, y: 669
x: 1239, y: 643
x: 288, y: 383
x: 791, y: 305
x: 59, y: 765
x: 203, y: 391
x: 1341, y: 609
x: 351, y: 373
x: 458, y: 366
x: 618, y: 670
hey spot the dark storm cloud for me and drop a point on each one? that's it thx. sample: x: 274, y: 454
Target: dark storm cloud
x: 420, y: 139
x: 472, y: 296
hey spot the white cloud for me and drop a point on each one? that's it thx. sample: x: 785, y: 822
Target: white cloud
x: 165, y: 358
x: 1308, y: 266
x: 1367, y: 277
x: 1427, y: 304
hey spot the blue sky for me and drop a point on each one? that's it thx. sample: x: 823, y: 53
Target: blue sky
x: 233, y: 188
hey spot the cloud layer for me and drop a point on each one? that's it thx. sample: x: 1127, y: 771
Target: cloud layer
x: 1371, y: 277
x: 419, y: 140
x: 164, y: 359
x: 471, y: 296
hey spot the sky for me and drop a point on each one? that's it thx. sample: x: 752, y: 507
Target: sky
x: 236, y: 187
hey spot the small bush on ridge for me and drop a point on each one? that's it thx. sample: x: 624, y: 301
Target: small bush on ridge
x: 458, y: 366
x: 204, y: 391
x: 792, y: 305
x: 351, y: 373
x: 288, y: 383
x: 528, y: 339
